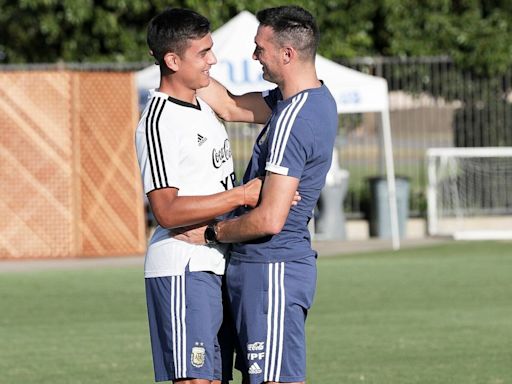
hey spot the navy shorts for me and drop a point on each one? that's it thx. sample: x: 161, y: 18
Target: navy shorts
x: 270, y: 303
x: 185, y: 315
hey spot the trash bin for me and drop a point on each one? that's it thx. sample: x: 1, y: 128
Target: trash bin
x: 330, y: 221
x: 380, y: 217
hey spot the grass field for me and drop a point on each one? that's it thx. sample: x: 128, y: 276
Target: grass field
x: 430, y: 315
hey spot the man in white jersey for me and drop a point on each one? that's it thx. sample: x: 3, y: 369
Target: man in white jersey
x: 187, y: 171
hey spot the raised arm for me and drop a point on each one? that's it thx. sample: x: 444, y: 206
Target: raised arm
x: 248, y: 108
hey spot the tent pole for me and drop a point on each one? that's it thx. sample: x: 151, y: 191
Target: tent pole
x: 390, y: 173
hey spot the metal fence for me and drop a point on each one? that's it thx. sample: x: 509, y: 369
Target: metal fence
x: 432, y: 104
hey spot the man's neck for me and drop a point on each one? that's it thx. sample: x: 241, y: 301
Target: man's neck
x: 177, y: 90
x: 298, y: 81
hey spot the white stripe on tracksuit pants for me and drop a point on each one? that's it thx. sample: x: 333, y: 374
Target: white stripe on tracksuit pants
x: 275, y: 322
x: 179, y: 334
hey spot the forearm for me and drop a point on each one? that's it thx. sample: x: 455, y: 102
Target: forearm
x: 189, y: 210
x: 268, y: 218
x: 255, y: 224
x: 249, y: 108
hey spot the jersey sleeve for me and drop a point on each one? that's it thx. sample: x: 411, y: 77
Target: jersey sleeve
x: 271, y: 97
x: 158, y: 149
x: 291, y: 146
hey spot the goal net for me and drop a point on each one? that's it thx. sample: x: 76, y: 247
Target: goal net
x: 469, y: 192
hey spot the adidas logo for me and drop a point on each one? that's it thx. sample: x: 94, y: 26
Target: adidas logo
x: 254, y: 369
x: 200, y: 139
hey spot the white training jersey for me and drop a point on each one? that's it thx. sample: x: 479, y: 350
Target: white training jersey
x: 184, y: 146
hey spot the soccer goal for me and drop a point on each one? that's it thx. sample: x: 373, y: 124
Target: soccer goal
x: 469, y: 193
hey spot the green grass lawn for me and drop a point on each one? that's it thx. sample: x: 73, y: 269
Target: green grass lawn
x: 430, y: 315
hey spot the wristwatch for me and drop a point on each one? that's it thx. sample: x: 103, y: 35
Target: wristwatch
x: 210, y: 234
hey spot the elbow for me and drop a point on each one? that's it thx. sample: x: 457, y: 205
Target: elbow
x: 272, y: 226
x: 270, y: 220
x: 271, y: 231
x: 164, y: 220
x: 225, y: 115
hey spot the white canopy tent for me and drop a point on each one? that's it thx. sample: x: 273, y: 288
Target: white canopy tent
x: 353, y: 91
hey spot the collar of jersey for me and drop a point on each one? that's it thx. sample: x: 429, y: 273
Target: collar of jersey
x: 176, y: 101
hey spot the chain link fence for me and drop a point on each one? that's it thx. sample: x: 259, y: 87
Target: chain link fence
x: 433, y: 103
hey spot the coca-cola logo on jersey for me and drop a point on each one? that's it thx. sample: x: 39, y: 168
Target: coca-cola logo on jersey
x: 221, y: 155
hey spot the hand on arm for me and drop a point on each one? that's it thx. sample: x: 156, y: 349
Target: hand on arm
x: 196, y: 235
x: 268, y: 217
x: 248, y: 108
x: 173, y: 211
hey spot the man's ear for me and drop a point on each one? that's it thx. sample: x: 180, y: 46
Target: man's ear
x: 172, y: 61
x: 288, y: 54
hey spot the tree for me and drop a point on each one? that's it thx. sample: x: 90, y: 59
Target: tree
x: 476, y: 33
x: 478, y: 36
x: 48, y: 31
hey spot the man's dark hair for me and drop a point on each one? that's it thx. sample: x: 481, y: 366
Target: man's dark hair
x: 292, y: 25
x: 170, y: 31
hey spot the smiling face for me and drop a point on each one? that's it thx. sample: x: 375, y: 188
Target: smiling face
x: 193, y: 66
x: 267, y: 52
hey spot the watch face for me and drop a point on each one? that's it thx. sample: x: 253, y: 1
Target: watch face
x: 209, y: 235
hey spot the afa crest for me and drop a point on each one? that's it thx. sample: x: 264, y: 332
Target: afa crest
x: 198, y: 355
